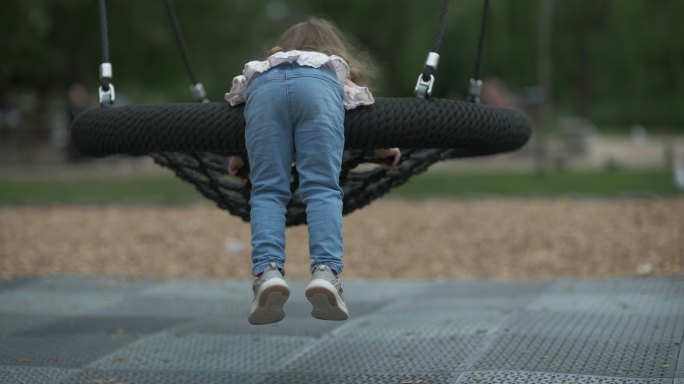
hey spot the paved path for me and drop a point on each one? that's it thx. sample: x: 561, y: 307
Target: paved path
x: 106, y: 331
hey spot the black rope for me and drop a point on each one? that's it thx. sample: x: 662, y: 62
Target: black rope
x: 105, y: 40
x: 480, y: 45
x: 103, y: 32
x: 446, y: 5
x: 181, y: 40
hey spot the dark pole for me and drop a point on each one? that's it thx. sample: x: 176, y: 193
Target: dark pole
x: 544, y: 68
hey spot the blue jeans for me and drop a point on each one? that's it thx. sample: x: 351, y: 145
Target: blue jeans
x: 295, y: 113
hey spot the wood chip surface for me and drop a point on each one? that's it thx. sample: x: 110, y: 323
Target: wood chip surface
x: 390, y: 239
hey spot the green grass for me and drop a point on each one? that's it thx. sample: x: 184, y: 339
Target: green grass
x: 158, y: 189
x: 168, y: 189
x: 586, y: 184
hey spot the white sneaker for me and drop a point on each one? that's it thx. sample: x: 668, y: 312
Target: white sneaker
x: 270, y: 294
x: 325, y: 294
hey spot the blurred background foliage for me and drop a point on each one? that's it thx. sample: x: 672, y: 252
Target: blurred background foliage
x: 615, y: 62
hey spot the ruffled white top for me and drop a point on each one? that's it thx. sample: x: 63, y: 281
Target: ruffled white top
x: 354, y: 95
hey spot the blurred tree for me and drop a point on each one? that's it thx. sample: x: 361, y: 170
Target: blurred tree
x: 613, y: 60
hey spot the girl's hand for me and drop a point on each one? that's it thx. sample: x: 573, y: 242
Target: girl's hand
x: 234, y: 165
x: 389, y: 152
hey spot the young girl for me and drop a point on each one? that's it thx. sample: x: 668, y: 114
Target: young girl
x: 294, y: 111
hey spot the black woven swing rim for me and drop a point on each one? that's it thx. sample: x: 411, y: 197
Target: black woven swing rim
x: 472, y: 129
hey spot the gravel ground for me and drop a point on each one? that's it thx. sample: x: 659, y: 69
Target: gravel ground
x: 492, y: 239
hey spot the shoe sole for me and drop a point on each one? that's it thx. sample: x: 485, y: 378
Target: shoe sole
x: 327, y: 305
x: 269, y: 308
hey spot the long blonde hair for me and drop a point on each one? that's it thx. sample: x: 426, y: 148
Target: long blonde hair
x: 321, y: 35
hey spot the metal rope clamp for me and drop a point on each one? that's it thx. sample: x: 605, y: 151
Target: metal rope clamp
x: 475, y: 90
x: 425, y: 83
x: 199, y: 93
x: 106, y: 91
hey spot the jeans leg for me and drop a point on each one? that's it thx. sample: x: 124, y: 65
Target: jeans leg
x: 319, y: 142
x: 268, y: 137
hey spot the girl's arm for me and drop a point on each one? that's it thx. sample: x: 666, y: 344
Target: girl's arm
x: 234, y: 165
x: 389, y: 152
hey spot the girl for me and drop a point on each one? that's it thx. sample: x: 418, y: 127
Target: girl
x: 295, y: 108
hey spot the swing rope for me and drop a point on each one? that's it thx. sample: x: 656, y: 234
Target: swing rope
x: 106, y: 89
x: 475, y: 88
x: 197, y: 89
x: 104, y: 32
x: 426, y: 80
x: 446, y: 5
